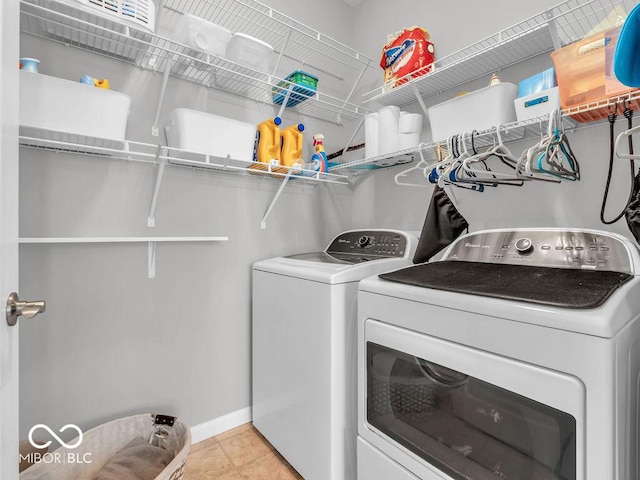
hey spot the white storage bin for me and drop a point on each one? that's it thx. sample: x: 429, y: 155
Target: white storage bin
x: 249, y: 51
x: 201, y: 35
x: 53, y: 103
x: 139, y: 14
x: 90, y: 23
x: 210, y: 134
x: 478, y: 110
x: 537, y: 104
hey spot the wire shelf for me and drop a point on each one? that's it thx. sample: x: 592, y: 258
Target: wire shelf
x: 556, y: 27
x: 381, y: 161
x: 47, y: 19
x: 58, y: 141
x: 574, y: 118
x: 599, y: 110
x: 297, y: 41
x: 233, y: 78
x: 434, y: 151
x: 209, y: 162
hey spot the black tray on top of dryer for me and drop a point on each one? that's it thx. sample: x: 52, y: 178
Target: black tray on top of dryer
x: 563, y: 268
x: 571, y: 288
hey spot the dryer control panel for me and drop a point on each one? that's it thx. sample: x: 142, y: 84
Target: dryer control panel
x: 377, y: 243
x: 545, y: 248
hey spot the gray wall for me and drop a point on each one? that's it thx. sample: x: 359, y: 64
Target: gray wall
x: 114, y: 342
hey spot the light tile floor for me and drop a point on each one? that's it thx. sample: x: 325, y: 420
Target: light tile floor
x: 239, y: 454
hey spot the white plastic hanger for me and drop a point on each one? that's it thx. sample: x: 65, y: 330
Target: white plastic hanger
x: 526, y: 166
x: 625, y: 134
x: 459, y: 152
x: 551, y: 159
x: 490, y: 177
x: 451, y: 161
x: 420, y: 166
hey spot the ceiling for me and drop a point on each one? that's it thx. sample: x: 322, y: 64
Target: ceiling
x: 352, y: 3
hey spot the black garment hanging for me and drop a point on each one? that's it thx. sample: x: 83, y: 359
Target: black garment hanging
x: 632, y: 212
x: 442, y: 225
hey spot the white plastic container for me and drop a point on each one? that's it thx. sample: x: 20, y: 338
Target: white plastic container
x: 201, y: 35
x: 478, y: 110
x: 210, y: 134
x: 537, y: 104
x: 98, y: 18
x: 64, y: 106
x: 250, y: 51
x: 139, y: 14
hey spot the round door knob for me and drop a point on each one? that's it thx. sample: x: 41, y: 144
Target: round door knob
x: 524, y: 246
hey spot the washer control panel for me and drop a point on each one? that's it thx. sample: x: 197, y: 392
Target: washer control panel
x: 379, y: 243
x: 545, y: 248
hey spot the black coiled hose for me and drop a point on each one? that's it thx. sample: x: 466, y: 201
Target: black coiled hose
x: 628, y: 113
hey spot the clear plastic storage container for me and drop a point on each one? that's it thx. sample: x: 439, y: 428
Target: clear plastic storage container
x: 585, y: 75
x: 201, y: 35
x: 249, y: 51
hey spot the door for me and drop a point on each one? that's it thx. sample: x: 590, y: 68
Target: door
x: 9, y: 39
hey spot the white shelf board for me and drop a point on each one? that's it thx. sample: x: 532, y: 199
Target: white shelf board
x: 67, y: 240
x: 150, y: 241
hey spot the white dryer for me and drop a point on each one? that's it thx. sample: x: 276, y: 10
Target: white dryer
x: 517, y: 357
x: 304, y: 348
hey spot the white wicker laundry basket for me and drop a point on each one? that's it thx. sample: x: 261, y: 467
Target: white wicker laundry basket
x: 105, y: 440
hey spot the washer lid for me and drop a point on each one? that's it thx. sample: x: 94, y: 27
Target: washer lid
x: 350, y: 257
x: 336, y: 257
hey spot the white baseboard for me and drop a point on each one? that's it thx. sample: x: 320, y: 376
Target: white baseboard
x: 219, y: 425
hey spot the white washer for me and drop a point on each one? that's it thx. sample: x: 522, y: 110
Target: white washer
x: 517, y: 356
x: 304, y: 348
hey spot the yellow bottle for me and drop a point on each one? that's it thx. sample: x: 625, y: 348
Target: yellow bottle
x: 292, y: 143
x: 266, y: 148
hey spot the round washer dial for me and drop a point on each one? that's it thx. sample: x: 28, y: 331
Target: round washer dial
x: 524, y: 246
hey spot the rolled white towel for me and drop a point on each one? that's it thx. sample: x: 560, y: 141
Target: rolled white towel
x: 410, y: 123
x: 388, y: 122
x: 371, y: 135
x: 408, y: 140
